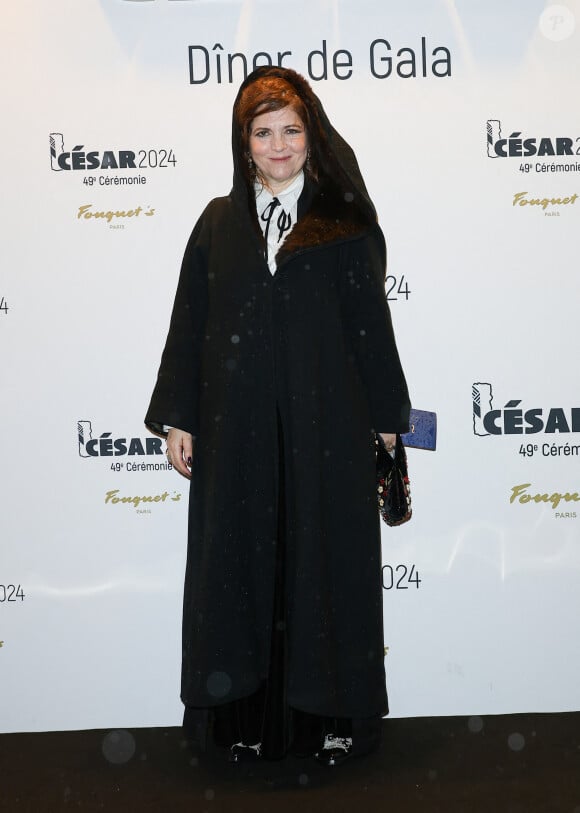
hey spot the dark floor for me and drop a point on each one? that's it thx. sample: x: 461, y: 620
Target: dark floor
x: 506, y: 764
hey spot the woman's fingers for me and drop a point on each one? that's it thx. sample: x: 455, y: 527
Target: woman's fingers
x: 389, y: 440
x: 180, y: 450
x: 188, y: 450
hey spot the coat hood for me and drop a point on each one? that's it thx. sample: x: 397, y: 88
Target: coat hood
x: 339, y: 206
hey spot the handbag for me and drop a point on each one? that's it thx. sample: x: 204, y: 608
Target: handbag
x: 423, y: 430
x: 393, y: 488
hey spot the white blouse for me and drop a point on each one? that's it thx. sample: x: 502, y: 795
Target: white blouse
x: 278, y: 220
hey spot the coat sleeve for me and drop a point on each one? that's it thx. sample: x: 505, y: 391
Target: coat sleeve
x: 369, y: 332
x: 175, y: 399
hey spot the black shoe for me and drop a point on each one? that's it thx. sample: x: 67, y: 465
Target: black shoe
x: 336, y: 751
x: 245, y: 753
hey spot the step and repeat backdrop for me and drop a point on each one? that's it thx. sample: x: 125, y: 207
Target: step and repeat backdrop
x: 115, y: 134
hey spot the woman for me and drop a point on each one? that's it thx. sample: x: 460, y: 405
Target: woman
x: 280, y: 365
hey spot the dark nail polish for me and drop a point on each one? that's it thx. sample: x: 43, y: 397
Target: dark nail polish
x: 189, y: 461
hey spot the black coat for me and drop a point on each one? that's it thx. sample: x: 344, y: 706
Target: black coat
x: 310, y: 349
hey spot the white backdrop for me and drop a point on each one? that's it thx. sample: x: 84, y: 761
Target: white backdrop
x: 485, y: 293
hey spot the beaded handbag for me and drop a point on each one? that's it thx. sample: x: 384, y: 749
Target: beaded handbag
x: 393, y: 489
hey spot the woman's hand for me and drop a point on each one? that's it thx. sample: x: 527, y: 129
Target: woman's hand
x: 389, y: 441
x: 180, y: 451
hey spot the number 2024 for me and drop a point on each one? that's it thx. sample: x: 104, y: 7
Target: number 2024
x: 408, y: 576
x: 11, y: 592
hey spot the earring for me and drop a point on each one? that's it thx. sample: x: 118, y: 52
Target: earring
x: 308, y: 161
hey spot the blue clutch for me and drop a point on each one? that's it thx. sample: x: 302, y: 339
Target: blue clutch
x: 423, y: 431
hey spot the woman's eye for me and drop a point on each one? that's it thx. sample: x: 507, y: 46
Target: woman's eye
x: 261, y: 133
x: 293, y: 131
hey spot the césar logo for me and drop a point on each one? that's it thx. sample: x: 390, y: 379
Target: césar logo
x: 80, y: 159
x: 105, y: 445
x: 515, y: 420
x: 514, y: 146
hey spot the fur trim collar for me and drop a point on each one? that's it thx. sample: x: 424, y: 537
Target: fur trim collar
x: 328, y: 215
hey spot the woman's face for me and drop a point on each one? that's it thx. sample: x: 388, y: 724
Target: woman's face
x: 278, y: 147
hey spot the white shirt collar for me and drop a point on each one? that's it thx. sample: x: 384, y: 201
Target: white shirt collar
x: 288, y: 197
